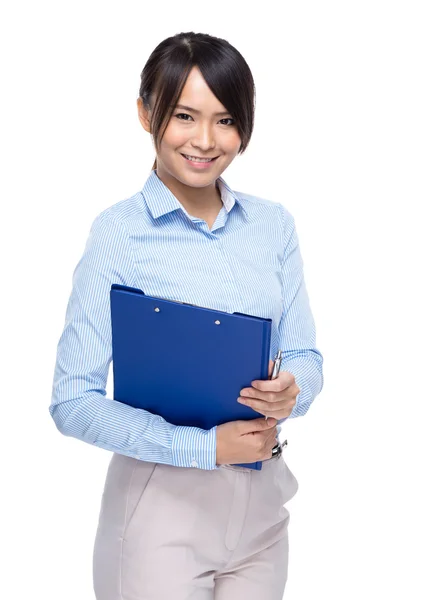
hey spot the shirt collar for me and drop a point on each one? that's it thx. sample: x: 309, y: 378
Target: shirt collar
x: 160, y: 200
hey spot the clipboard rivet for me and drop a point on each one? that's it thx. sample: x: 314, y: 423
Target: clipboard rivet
x: 157, y: 309
x: 217, y: 322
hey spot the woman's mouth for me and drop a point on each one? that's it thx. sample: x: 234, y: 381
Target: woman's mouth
x: 197, y: 162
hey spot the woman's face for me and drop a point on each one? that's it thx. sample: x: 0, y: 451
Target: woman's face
x: 201, y: 132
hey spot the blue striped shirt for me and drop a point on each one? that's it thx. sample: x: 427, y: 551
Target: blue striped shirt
x: 249, y: 261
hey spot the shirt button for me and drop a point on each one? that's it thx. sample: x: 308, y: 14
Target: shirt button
x: 194, y: 463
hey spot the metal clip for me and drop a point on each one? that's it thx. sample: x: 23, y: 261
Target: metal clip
x: 277, y: 450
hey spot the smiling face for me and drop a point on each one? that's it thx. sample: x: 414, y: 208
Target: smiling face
x: 208, y: 131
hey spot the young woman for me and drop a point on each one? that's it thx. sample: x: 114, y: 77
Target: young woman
x: 178, y: 518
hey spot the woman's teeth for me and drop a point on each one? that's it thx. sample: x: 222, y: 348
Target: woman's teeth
x: 195, y: 159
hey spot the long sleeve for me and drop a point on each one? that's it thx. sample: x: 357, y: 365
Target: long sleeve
x: 79, y: 405
x: 297, y: 327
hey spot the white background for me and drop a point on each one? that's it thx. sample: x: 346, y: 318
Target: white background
x: 342, y: 138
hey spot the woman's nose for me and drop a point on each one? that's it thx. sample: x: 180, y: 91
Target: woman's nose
x: 204, y: 137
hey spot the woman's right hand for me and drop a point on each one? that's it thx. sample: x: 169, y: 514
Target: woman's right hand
x: 245, y: 441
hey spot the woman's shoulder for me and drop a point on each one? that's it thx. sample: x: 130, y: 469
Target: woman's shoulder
x: 252, y: 200
x: 122, y: 211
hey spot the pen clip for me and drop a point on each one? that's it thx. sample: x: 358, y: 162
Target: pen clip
x: 276, y: 366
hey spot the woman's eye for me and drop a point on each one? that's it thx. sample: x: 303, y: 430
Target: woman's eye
x: 182, y: 115
x: 228, y: 119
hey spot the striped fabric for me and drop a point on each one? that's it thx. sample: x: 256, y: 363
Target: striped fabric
x: 249, y: 261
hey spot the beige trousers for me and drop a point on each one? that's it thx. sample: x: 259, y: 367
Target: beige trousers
x: 181, y: 533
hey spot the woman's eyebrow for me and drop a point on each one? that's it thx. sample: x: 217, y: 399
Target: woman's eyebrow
x: 199, y: 112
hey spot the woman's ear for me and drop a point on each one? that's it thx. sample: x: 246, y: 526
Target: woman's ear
x: 143, y: 115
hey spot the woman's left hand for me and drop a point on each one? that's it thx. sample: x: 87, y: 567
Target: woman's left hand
x: 272, y: 397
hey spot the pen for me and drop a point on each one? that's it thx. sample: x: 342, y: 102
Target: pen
x: 276, y: 367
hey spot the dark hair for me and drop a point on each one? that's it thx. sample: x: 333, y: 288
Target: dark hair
x: 223, y: 67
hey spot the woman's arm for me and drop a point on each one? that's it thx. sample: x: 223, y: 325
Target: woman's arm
x: 297, y: 327
x: 79, y: 405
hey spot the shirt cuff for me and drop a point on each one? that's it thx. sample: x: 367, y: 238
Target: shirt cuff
x: 194, y: 447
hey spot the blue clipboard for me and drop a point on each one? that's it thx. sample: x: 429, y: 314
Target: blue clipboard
x: 184, y: 362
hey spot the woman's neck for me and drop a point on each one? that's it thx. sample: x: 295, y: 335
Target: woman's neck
x: 201, y: 200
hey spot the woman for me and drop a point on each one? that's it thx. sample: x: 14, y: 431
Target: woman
x: 178, y: 518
